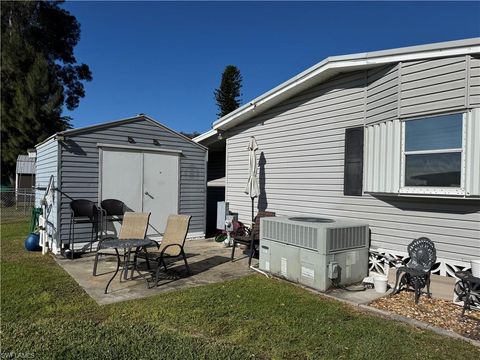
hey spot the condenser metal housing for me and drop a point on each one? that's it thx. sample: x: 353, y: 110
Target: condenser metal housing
x: 301, y: 249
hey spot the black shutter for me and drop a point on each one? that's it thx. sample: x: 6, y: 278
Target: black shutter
x: 353, y: 168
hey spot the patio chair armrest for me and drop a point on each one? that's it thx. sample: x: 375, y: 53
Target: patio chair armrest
x: 170, y: 245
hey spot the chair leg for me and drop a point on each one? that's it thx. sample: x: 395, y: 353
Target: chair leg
x: 91, y: 237
x: 70, y: 234
x: 72, y: 239
x: 233, y: 250
x: 429, y: 294
x: 146, y: 258
x: 95, y: 263
x: 396, y: 289
x: 134, y: 261
x: 186, y: 264
x: 253, y: 251
x: 417, y: 292
x: 250, y: 255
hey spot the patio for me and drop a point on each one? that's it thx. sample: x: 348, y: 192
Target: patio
x: 209, y: 263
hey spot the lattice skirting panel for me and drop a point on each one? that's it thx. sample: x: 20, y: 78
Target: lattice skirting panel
x: 379, y: 262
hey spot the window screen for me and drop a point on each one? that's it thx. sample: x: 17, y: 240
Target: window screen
x: 433, y: 151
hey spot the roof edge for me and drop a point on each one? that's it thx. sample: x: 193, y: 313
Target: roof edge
x: 358, y: 60
x: 205, y: 135
x: 149, y: 119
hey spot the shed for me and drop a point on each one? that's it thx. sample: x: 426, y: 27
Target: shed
x: 390, y: 138
x: 148, y: 166
x: 25, y: 171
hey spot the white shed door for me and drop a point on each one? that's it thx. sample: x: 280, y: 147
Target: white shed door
x: 122, y: 177
x: 144, y: 181
x: 160, y: 185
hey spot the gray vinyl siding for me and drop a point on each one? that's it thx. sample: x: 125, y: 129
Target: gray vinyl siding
x: 474, y: 81
x: 80, y: 168
x: 382, y: 94
x: 46, y: 166
x: 433, y: 86
x: 301, y: 152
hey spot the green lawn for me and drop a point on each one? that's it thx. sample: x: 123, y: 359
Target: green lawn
x: 46, y: 315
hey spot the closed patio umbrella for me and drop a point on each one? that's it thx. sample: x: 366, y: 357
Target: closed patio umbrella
x: 253, y: 187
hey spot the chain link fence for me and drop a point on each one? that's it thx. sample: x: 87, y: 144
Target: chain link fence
x: 16, y: 204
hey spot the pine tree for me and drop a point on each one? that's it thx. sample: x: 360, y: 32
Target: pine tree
x: 228, y: 94
x: 39, y: 74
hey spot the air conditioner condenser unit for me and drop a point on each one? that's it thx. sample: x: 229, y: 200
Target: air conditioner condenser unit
x: 317, y: 252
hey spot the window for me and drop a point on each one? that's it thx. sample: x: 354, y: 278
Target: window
x: 353, y: 167
x: 433, y: 155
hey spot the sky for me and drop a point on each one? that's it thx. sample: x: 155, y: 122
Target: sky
x: 165, y: 59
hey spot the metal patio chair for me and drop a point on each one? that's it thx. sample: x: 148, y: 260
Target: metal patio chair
x: 134, y: 226
x: 83, y: 211
x: 253, y: 239
x: 113, y: 209
x: 416, y: 272
x: 172, y: 244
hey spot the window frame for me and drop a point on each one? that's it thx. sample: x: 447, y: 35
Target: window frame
x: 434, y: 190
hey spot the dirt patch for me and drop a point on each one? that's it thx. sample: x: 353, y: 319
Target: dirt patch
x: 437, y: 312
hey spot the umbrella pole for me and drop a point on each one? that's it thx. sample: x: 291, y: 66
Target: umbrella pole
x: 253, y: 216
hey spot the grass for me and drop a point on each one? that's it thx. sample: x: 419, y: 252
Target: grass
x: 45, y: 314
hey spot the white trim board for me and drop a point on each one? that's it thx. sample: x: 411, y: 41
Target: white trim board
x: 138, y: 148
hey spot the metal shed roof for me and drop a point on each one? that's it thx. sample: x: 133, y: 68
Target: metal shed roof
x: 25, y: 165
x: 72, y: 132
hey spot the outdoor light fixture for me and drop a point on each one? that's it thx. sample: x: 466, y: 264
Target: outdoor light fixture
x: 220, y: 135
x: 60, y: 138
x: 156, y: 142
x: 131, y: 140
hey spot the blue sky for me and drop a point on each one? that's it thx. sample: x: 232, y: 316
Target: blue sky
x: 165, y: 59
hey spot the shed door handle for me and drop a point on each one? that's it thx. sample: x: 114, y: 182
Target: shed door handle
x: 146, y: 193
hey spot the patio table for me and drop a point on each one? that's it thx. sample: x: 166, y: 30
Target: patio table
x: 126, y: 244
x: 467, y: 289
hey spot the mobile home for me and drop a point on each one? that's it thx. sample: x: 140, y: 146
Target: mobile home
x: 391, y: 138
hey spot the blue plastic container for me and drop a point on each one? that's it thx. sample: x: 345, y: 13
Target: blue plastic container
x: 32, y: 242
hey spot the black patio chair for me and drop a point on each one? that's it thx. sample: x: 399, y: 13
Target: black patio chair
x: 83, y: 211
x: 113, y: 209
x: 416, y: 273
x: 253, y: 239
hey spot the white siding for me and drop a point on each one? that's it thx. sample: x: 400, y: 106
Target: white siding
x: 474, y: 81
x: 301, y: 145
x: 382, y: 157
x: 472, y: 154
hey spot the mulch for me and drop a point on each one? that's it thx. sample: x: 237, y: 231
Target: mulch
x: 438, y: 312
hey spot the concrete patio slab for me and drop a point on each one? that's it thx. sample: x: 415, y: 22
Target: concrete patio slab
x: 209, y: 263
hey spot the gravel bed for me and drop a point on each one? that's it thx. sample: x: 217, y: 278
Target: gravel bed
x: 437, y: 312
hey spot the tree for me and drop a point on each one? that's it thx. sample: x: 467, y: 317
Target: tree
x: 39, y: 74
x: 190, y: 135
x: 228, y: 94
